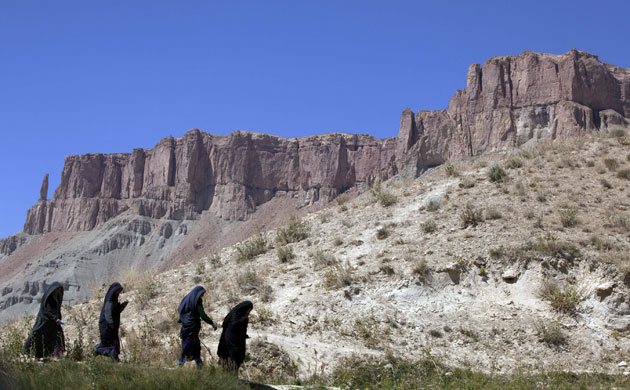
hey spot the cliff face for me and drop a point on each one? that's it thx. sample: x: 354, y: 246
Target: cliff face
x: 228, y: 175
x: 509, y: 101
x: 193, y: 194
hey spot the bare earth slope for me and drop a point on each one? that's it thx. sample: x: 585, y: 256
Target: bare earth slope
x: 153, y: 208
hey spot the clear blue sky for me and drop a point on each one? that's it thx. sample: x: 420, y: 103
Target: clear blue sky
x: 107, y: 76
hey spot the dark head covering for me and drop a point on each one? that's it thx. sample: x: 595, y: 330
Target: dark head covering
x: 46, y: 336
x: 110, y: 296
x: 234, y: 334
x: 109, y: 321
x: 188, y: 315
x: 53, y: 303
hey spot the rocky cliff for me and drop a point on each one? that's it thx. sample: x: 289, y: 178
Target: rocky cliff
x: 513, y: 100
x: 147, y: 206
x: 229, y: 175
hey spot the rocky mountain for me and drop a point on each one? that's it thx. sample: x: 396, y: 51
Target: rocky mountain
x: 186, y: 197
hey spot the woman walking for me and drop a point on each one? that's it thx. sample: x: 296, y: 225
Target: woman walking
x: 109, y: 323
x: 231, y: 349
x: 46, y: 338
x: 190, y: 315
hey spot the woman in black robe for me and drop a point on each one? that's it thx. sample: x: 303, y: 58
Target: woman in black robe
x: 190, y: 315
x: 231, y: 349
x: 46, y: 338
x: 109, y: 323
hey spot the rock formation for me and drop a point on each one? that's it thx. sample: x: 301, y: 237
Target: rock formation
x: 149, y: 205
x: 43, y: 192
x: 512, y: 100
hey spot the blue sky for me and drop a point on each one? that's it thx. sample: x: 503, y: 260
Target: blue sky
x: 108, y: 76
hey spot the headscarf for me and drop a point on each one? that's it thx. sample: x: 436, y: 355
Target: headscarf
x: 56, y: 301
x: 111, y: 292
x: 188, y: 315
x: 189, y: 303
x: 234, y: 334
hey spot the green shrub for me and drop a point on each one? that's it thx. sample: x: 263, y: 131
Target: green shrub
x: 618, y: 133
x: 384, y: 197
x: 568, y: 217
x: 551, y: 334
x: 428, y: 226
x: 322, y: 259
x: 433, y: 205
x: 251, y: 248
x: 450, y: 169
x: 471, y: 216
x: 338, y: 276
x: 513, y: 163
x: 624, y: 174
x: 295, y: 231
x: 285, y: 254
x: 564, y: 299
x: 612, y: 164
x: 606, y: 184
x: 496, y: 174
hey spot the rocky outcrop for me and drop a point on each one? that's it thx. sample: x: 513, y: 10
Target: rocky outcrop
x: 43, y: 192
x: 509, y: 101
x: 228, y: 175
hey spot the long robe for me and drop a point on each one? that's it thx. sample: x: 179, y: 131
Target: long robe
x: 109, y: 322
x: 232, y: 343
x: 190, y: 319
x: 46, y: 337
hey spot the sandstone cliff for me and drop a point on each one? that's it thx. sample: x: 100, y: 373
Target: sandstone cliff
x: 202, y: 191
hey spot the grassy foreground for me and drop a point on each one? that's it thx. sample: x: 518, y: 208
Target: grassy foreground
x: 355, y: 373
x: 102, y: 374
x: 398, y: 374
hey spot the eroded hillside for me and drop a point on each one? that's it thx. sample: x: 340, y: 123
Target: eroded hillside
x: 500, y: 263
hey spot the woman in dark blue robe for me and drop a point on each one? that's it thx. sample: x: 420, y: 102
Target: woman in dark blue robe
x: 109, y: 323
x: 231, y: 349
x: 190, y: 315
x: 46, y: 338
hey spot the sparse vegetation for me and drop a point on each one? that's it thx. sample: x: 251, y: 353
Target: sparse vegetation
x: 429, y: 226
x: 564, y: 299
x: 384, y: 197
x: 338, y: 276
x: 285, y: 254
x: 296, y: 231
x: 612, y: 164
x: 471, y: 216
x: 433, y: 205
x: 568, y: 216
x: 513, y: 163
x: 450, y: 169
x: 551, y: 334
x: 322, y: 259
x: 606, y: 184
x: 624, y: 174
x: 251, y: 248
x: 493, y: 213
x: 497, y: 174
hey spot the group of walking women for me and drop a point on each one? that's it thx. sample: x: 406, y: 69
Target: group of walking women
x: 46, y: 339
